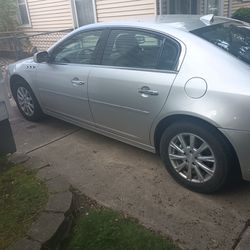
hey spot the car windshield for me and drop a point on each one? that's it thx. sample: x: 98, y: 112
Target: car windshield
x: 233, y: 36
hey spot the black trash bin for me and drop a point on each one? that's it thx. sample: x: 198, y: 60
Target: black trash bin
x: 7, y: 142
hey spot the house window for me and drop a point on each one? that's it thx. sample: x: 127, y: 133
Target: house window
x: 178, y: 7
x: 23, y: 12
x: 214, y: 7
x: 84, y: 11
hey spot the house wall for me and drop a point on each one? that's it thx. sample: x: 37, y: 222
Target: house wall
x: 49, y: 15
x: 45, y: 16
x: 108, y: 10
x: 54, y: 15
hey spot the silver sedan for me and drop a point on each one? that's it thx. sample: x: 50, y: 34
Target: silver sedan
x: 178, y: 86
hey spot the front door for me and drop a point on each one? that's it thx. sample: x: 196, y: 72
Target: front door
x: 63, y: 82
x: 130, y: 88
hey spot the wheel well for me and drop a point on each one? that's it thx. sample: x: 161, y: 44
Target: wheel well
x: 14, y: 80
x: 166, y: 122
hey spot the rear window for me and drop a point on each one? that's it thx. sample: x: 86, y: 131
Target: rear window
x: 233, y: 37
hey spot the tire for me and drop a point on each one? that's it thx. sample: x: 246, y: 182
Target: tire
x: 29, y: 108
x: 182, y: 162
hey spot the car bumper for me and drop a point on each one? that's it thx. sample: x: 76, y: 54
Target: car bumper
x: 241, y: 143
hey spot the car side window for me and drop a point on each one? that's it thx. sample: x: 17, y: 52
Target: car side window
x: 133, y: 48
x: 78, y: 49
x: 170, y: 55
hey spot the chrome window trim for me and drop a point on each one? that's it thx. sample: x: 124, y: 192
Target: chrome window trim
x: 118, y: 67
x: 134, y: 68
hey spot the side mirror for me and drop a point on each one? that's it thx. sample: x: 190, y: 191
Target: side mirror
x: 40, y: 57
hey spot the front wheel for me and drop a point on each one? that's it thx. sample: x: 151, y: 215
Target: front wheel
x: 27, y: 102
x: 196, y: 156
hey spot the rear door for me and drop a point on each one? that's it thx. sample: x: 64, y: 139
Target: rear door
x: 131, y: 86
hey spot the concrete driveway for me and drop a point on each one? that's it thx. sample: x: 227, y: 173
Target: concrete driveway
x: 135, y: 181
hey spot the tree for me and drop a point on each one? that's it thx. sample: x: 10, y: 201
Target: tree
x: 242, y: 14
x: 8, y: 15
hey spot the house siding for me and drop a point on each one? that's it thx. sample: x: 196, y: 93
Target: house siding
x: 108, y: 10
x: 45, y: 16
x: 49, y: 15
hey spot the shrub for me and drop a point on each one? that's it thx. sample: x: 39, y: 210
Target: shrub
x: 242, y: 14
x: 8, y: 15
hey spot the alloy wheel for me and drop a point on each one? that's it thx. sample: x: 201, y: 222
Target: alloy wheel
x: 25, y: 101
x: 192, y: 157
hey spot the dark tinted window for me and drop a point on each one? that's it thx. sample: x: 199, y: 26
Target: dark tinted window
x: 78, y: 49
x: 169, y: 56
x: 233, y: 37
x: 137, y: 49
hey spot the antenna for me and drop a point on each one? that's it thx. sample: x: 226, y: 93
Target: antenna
x: 208, y: 19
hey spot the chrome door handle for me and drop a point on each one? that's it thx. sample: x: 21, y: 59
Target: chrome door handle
x: 147, y: 91
x: 76, y: 82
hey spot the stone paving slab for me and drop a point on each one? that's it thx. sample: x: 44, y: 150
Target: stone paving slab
x: 47, y: 173
x: 26, y: 244
x: 46, y: 226
x: 59, y: 202
x: 57, y: 184
x: 19, y: 158
x: 36, y: 163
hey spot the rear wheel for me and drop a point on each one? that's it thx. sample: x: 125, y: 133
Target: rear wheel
x: 196, y: 156
x: 27, y: 102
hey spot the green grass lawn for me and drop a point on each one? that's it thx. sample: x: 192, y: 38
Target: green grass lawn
x: 103, y: 229
x: 22, y: 197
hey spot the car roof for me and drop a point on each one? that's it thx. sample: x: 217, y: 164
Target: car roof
x: 176, y: 26
x: 189, y: 22
x: 179, y: 22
